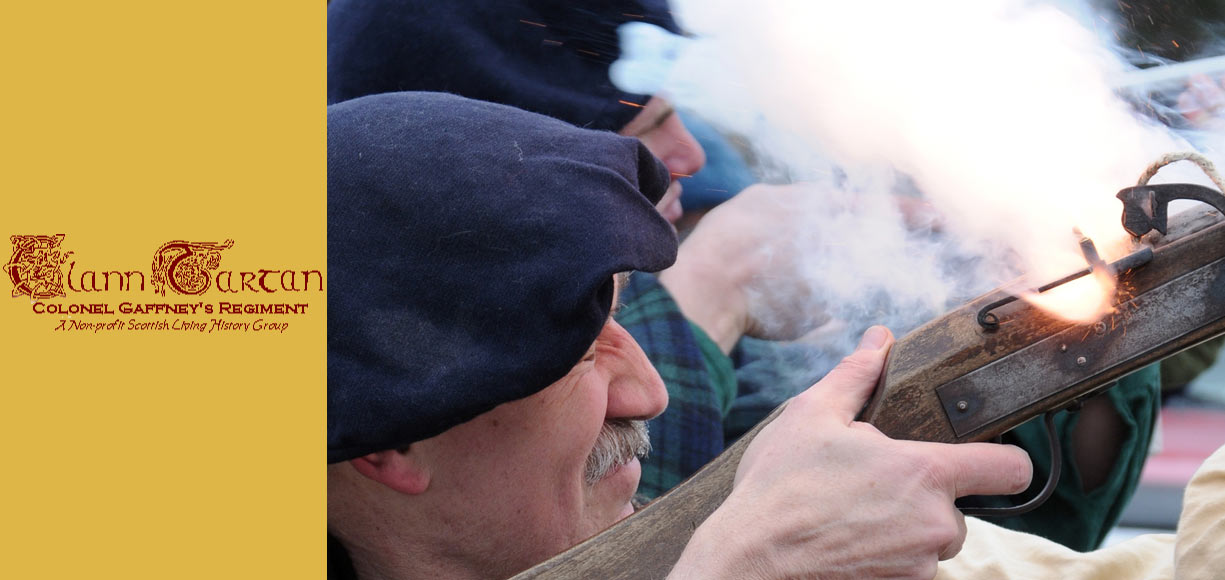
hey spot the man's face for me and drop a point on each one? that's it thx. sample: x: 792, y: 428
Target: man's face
x: 663, y: 133
x: 511, y: 485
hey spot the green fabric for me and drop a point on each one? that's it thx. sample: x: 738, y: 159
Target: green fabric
x: 719, y: 366
x: 1073, y: 517
x: 1179, y: 370
x: 768, y: 373
x: 699, y: 379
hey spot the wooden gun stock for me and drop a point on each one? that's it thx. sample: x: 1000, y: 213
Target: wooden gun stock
x: 954, y: 381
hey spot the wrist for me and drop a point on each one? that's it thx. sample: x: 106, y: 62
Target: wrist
x: 721, y: 549
x: 708, y: 296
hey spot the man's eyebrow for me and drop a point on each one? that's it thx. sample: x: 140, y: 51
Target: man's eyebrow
x: 658, y: 120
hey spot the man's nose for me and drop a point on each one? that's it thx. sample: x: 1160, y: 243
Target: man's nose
x: 635, y: 390
x: 685, y: 155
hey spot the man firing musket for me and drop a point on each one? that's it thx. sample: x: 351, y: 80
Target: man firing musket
x: 483, y: 417
x: 482, y: 404
x: 642, y: 547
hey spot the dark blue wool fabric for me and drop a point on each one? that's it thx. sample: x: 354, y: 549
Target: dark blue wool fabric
x: 471, y: 249
x: 545, y: 56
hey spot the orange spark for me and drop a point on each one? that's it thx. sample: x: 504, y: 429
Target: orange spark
x: 631, y: 104
x: 542, y: 25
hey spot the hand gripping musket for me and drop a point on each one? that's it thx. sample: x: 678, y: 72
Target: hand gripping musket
x: 979, y: 371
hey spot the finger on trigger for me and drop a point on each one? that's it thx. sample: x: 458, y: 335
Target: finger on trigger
x: 986, y: 468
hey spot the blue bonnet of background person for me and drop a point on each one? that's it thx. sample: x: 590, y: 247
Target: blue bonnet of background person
x: 547, y: 56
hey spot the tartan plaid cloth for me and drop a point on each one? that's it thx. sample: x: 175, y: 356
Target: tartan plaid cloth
x: 699, y: 377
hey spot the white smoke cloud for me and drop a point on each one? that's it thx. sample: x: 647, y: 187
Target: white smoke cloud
x: 1003, y: 113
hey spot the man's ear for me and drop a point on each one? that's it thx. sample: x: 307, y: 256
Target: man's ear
x: 401, y: 470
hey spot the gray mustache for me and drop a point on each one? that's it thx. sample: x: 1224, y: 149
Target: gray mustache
x: 620, y: 441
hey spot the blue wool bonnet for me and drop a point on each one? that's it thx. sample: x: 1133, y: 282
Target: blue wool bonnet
x: 547, y: 56
x: 471, y: 254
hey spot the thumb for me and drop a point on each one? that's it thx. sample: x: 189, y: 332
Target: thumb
x: 847, y: 387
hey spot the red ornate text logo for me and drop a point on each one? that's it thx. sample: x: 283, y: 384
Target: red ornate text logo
x: 185, y: 266
x: 34, y: 267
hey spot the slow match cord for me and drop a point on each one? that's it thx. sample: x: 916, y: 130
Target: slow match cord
x: 1203, y: 162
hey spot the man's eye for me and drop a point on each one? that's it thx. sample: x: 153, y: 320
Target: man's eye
x: 590, y: 356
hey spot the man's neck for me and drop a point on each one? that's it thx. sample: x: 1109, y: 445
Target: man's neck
x: 393, y: 562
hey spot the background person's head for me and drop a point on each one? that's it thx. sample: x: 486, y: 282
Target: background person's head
x: 546, y: 56
x: 473, y: 367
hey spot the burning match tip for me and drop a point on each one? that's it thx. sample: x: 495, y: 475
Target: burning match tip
x: 1091, y: 256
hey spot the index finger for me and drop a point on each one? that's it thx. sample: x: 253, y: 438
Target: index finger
x: 982, y: 468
